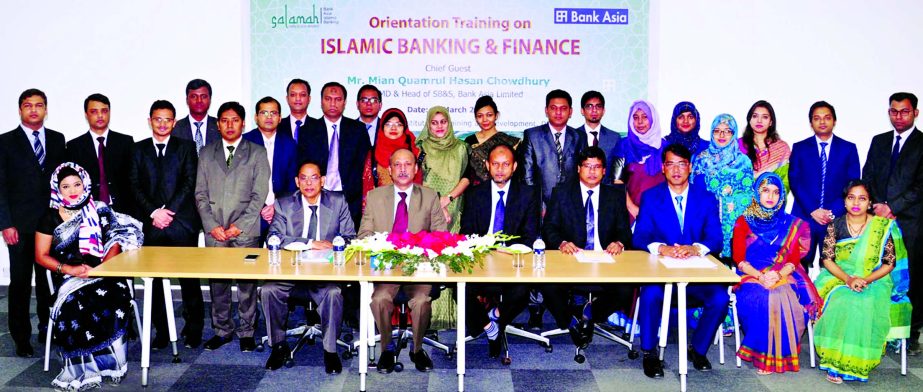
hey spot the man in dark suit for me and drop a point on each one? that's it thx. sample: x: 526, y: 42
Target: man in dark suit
x: 281, y: 152
x: 819, y: 167
x: 232, y: 181
x: 550, y: 149
x: 162, y: 178
x: 315, y: 217
x: 198, y: 126
x: 340, y: 145
x: 106, y: 156
x: 587, y: 215
x: 298, y: 96
x: 894, y: 169
x: 513, y: 208
x: 368, y: 102
x: 28, y: 156
x: 680, y: 221
x: 402, y: 208
x: 593, y: 107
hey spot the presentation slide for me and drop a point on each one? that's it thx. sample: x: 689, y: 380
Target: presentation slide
x: 427, y: 53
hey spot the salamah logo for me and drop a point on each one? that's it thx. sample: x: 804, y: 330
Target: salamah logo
x: 285, y: 20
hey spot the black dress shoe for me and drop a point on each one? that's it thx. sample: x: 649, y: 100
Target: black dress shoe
x: 192, y: 341
x: 653, y: 368
x: 247, y: 345
x: 160, y: 342
x: 332, y: 364
x: 386, y: 362
x: 422, y: 360
x: 280, y: 353
x: 216, y: 342
x: 699, y: 361
x: 494, y: 348
x: 24, y: 350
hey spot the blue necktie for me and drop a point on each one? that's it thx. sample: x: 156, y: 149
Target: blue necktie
x: 39, y: 150
x: 499, y: 213
x: 297, y: 128
x: 895, y: 153
x: 679, y: 211
x: 590, y: 223
x: 823, y: 171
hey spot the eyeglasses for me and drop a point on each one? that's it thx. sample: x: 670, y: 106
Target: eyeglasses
x: 268, y: 113
x: 591, y: 106
x: 369, y: 100
x: 394, y: 125
x: 591, y: 167
x: 680, y: 165
x: 312, y: 179
x: 905, y: 113
x: 723, y: 132
x: 161, y: 120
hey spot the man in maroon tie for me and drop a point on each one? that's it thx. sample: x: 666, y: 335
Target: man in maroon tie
x: 402, y: 207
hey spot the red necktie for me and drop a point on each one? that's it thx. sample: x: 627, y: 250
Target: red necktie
x: 400, y: 217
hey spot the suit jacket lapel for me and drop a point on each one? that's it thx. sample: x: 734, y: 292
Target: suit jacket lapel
x: 298, y: 214
x: 388, y: 208
x: 606, y: 219
x: 483, y: 214
x: 25, y: 144
x: 325, y: 225
x: 415, y: 210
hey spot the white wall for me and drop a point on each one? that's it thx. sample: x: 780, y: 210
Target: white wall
x: 721, y: 55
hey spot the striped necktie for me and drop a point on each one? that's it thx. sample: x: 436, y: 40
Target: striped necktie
x: 39, y: 149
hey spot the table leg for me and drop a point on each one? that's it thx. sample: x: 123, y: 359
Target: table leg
x: 171, y: 321
x: 460, y: 334
x: 365, y: 296
x: 665, y: 317
x: 146, y: 330
x: 683, y: 360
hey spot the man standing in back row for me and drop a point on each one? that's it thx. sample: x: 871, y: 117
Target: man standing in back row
x: 198, y: 126
x: 549, y: 155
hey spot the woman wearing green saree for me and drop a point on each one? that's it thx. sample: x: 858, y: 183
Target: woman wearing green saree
x: 864, y: 286
x: 443, y: 159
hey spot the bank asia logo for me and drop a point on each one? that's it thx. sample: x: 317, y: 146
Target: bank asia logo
x: 616, y: 16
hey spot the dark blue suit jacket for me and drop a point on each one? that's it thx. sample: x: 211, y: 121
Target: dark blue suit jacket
x: 804, y: 176
x: 522, y: 217
x: 657, y: 220
x: 284, y: 161
x: 608, y: 141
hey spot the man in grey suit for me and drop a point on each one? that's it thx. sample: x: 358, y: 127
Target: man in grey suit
x: 198, y: 126
x: 402, y: 208
x: 593, y: 108
x: 232, y: 182
x: 549, y: 156
x: 315, y: 217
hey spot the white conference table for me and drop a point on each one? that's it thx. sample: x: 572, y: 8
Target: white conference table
x: 634, y: 267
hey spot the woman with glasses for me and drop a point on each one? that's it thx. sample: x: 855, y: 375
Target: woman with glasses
x: 483, y: 141
x: 638, y: 157
x: 393, y: 135
x: 762, y: 144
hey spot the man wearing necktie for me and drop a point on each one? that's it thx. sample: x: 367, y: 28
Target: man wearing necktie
x: 232, y: 182
x: 368, y: 101
x: 551, y: 148
x: 298, y: 97
x: 312, y: 216
x: 894, y: 169
x: 106, y: 156
x: 402, y: 208
x: 679, y: 220
x: 506, y: 205
x: 162, y: 178
x: 340, y: 145
x: 587, y: 215
x: 28, y: 155
x: 593, y: 107
x: 819, y: 167
x: 198, y: 127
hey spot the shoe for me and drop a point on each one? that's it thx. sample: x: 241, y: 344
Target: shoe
x: 422, y: 360
x: 216, y: 342
x: 699, y: 361
x: 913, y: 348
x: 579, y: 335
x: 386, y: 362
x: 535, y: 316
x: 160, y: 342
x: 280, y: 353
x: 332, y: 364
x: 247, y: 345
x: 24, y: 350
x: 653, y: 368
x: 494, y: 348
x: 192, y: 341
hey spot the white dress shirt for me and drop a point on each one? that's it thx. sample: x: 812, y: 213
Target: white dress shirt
x: 397, y: 199
x: 41, y: 136
x: 292, y: 119
x: 555, y: 132
x: 595, y: 198
x: 829, y: 142
x: 371, y: 130
x: 589, y: 135
x: 225, y: 144
x: 270, y: 144
x: 307, y: 218
x: 165, y: 141
x: 94, y: 136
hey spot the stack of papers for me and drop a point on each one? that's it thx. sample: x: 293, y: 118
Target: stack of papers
x: 692, y: 262
x: 594, y: 256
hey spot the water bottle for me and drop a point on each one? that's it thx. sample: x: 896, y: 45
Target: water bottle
x: 538, y: 254
x: 274, y: 244
x: 339, y: 251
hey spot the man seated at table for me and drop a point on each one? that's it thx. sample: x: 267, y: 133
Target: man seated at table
x: 312, y: 216
x: 586, y: 215
x: 680, y: 221
x: 513, y: 208
x: 399, y: 208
